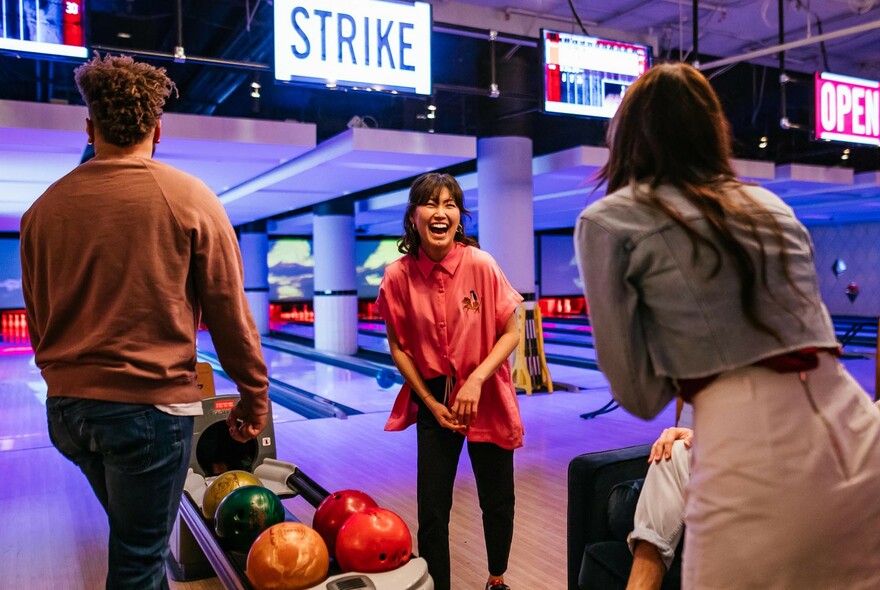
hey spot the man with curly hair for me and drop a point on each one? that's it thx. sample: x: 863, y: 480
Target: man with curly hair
x: 121, y: 260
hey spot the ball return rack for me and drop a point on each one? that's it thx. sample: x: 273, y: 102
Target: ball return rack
x: 197, y: 554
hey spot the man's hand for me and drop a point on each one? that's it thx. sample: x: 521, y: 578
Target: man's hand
x: 662, y: 448
x: 244, y: 426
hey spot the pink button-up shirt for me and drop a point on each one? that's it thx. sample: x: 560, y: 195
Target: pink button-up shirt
x: 447, y: 316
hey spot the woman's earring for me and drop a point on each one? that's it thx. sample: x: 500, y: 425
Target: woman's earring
x: 460, y: 229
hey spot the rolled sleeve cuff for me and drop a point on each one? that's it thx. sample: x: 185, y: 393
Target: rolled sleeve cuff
x: 664, y: 546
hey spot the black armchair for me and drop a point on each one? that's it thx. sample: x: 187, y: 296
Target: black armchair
x: 603, y: 489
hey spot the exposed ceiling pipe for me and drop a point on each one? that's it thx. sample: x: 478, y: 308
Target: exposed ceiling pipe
x: 206, y: 61
x: 493, y: 84
x: 179, y: 53
x: 482, y: 33
x: 695, y: 17
x: 545, y: 16
x: 792, y: 45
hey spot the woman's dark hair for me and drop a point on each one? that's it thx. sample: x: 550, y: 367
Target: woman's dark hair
x: 424, y: 188
x: 670, y: 129
x: 125, y: 97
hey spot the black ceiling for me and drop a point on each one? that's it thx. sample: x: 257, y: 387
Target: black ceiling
x: 238, y: 33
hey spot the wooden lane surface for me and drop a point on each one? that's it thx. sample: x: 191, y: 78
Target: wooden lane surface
x: 54, y: 537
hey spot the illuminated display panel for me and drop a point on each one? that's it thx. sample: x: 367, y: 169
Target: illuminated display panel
x: 11, y: 296
x: 369, y: 44
x: 43, y: 27
x: 588, y: 76
x: 292, y: 267
x: 847, y: 109
x: 372, y: 256
x: 559, y: 271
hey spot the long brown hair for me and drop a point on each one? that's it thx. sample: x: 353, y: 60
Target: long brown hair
x: 125, y: 97
x: 670, y: 129
x: 424, y: 188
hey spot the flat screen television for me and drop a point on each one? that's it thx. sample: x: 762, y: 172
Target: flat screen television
x: 292, y: 267
x: 587, y: 76
x: 11, y: 296
x: 559, y: 271
x: 53, y: 28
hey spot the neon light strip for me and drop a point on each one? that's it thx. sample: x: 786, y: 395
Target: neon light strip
x: 44, y: 48
x: 849, y: 80
x: 828, y: 136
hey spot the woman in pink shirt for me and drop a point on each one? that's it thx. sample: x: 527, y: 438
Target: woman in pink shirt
x: 448, y: 312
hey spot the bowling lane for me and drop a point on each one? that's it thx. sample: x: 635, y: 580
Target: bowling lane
x: 22, y: 399
x: 223, y: 386
x: 343, y: 386
x: 371, y: 337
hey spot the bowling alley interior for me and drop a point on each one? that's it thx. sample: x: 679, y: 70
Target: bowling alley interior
x: 309, y: 121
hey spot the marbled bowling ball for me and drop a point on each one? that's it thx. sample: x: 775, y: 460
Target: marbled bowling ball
x: 287, y: 556
x: 220, y: 488
x: 245, y: 513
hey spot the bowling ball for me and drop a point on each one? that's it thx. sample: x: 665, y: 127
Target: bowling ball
x: 287, y: 556
x: 220, y: 488
x: 375, y: 540
x: 386, y: 378
x: 245, y: 513
x: 335, y: 509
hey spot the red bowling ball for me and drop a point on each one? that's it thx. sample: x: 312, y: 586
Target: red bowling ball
x: 335, y: 509
x: 375, y: 540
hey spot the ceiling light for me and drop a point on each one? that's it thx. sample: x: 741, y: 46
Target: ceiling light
x: 845, y: 154
x: 763, y: 143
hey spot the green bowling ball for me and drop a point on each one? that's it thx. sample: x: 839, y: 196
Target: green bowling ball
x: 245, y: 513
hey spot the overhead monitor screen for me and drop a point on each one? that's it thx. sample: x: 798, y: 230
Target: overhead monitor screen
x: 43, y: 27
x: 588, y: 76
x: 847, y: 109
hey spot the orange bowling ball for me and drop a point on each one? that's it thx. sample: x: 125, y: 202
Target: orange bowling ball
x: 220, y: 488
x: 287, y: 556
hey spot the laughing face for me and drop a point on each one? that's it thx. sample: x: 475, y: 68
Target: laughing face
x: 437, y: 221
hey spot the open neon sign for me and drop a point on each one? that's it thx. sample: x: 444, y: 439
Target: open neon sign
x: 847, y: 109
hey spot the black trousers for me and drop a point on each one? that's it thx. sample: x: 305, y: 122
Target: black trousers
x: 438, y: 452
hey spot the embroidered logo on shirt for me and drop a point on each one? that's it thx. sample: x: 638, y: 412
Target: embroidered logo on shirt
x: 471, y: 303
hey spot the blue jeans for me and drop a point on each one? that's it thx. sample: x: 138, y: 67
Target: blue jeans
x: 135, y: 458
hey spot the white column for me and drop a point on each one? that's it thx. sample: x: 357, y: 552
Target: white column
x: 254, y: 244
x: 505, y: 208
x: 335, y: 301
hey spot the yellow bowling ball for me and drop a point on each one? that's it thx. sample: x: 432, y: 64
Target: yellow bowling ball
x: 220, y: 488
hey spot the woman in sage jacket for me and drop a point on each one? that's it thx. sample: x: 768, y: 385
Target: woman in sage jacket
x: 702, y: 286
